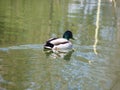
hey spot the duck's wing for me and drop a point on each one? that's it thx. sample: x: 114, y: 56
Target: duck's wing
x: 58, y: 41
x: 55, y: 42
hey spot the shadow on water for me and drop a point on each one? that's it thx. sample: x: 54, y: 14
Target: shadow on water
x: 64, y: 55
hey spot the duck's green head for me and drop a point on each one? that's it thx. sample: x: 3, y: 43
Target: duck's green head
x: 68, y: 35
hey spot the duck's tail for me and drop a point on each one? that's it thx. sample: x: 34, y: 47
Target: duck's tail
x: 48, y: 46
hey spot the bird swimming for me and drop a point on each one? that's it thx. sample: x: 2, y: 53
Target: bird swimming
x: 60, y: 43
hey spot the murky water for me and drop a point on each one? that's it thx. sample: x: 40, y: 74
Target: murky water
x: 25, y: 26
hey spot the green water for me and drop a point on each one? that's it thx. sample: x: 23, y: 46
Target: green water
x: 25, y: 25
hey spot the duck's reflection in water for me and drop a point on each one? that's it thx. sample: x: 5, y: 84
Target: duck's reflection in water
x: 66, y: 55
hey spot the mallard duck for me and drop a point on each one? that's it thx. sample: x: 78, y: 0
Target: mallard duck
x: 60, y: 43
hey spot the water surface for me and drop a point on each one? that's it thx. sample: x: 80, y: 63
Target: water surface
x: 26, y: 25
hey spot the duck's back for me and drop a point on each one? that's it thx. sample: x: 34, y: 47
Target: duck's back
x: 58, y: 41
